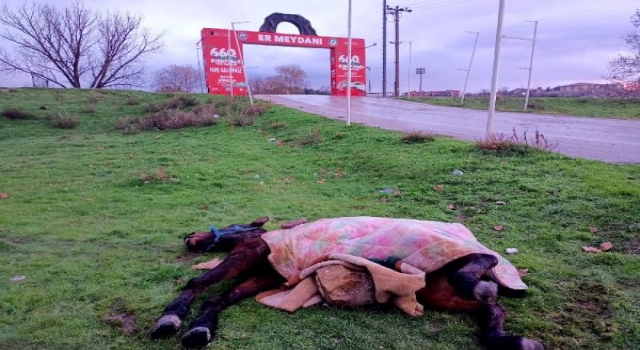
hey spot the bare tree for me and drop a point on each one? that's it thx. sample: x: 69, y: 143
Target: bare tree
x: 292, y: 78
x: 75, y: 46
x: 258, y: 85
x: 625, y: 69
x: 177, y: 78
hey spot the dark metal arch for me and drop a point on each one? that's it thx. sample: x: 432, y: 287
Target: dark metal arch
x: 271, y: 23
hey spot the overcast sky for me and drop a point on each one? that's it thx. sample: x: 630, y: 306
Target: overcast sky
x: 576, y: 38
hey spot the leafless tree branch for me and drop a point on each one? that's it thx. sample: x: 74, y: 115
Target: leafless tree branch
x: 625, y: 69
x: 75, y: 46
x: 177, y: 78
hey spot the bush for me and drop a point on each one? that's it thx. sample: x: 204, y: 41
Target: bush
x: 504, y: 144
x: 14, y: 113
x: 153, y: 108
x: 181, y: 102
x: 417, y: 137
x: 229, y: 106
x: 240, y: 120
x: 63, y: 121
x: 255, y: 110
x: 206, y: 110
x: 164, y: 120
x: 313, y: 138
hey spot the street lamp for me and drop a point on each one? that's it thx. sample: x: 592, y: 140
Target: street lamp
x: 372, y: 45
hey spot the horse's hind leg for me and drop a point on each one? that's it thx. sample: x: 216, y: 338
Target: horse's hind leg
x: 467, y: 280
x: 244, y: 257
x: 202, y: 329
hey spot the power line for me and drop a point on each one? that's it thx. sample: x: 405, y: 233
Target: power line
x: 443, y: 4
x: 564, y: 17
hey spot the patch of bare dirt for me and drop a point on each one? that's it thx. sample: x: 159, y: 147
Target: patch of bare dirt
x: 126, y: 321
x: 187, y: 256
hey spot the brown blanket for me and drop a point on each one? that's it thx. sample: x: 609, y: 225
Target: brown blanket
x: 347, y: 280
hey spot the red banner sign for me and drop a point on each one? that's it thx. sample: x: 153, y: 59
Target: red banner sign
x: 223, y: 57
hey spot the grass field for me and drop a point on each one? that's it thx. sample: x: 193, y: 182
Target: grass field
x: 587, y: 107
x: 93, y: 219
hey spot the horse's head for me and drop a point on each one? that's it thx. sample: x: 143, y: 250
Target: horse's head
x: 224, y: 238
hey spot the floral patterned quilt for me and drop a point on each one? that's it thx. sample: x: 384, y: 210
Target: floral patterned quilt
x: 427, y: 245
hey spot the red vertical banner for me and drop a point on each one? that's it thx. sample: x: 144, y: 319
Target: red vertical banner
x: 340, y: 66
x: 222, y: 63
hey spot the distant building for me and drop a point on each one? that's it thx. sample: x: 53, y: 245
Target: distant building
x: 588, y: 89
x: 445, y: 93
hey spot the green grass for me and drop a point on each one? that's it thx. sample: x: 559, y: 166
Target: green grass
x: 586, y: 107
x: 95, y: 217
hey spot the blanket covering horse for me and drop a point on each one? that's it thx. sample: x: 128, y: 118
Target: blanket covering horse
x: 426, y: 245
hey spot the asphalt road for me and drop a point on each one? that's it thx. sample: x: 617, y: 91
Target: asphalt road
x: 609, y: 140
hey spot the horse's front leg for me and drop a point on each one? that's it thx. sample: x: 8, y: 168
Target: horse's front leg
x: 467, y: 280
x: 202, y: 329
x: 244, y: 257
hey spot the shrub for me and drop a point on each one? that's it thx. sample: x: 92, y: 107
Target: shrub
x: 417, y: 137
x: 181, y: 102
x: 255, y: 110
x: 153, y: 108
x: 205, y: 110
x: 63, y: 120
x: 229, y: 106
x: 164, y: 120
x: 14, y: 113
x: 505, y: 144
x: 313, y: 138
x: 240, y: 120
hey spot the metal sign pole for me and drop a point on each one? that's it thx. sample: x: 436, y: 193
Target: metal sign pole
x: 349, y: 84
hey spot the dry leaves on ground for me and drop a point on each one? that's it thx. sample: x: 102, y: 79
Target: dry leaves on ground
x: 603, y: 247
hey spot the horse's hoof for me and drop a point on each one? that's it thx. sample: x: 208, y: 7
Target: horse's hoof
x: 530, y: 344
x: 197, y: 337
x: 486, y: 292
x: 165, y: 327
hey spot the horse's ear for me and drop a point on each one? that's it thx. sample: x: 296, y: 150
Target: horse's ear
x: 259, y: 222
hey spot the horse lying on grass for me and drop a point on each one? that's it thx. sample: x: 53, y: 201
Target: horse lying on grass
x: 461, y: 274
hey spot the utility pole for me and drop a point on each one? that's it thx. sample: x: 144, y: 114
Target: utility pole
x: 384, y: 48
x: 409, y: 70
x: 396, y: 12
x: 420, y: 71
x: 466, y: 80
x: 533, y: 47
x: 496, y: 65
